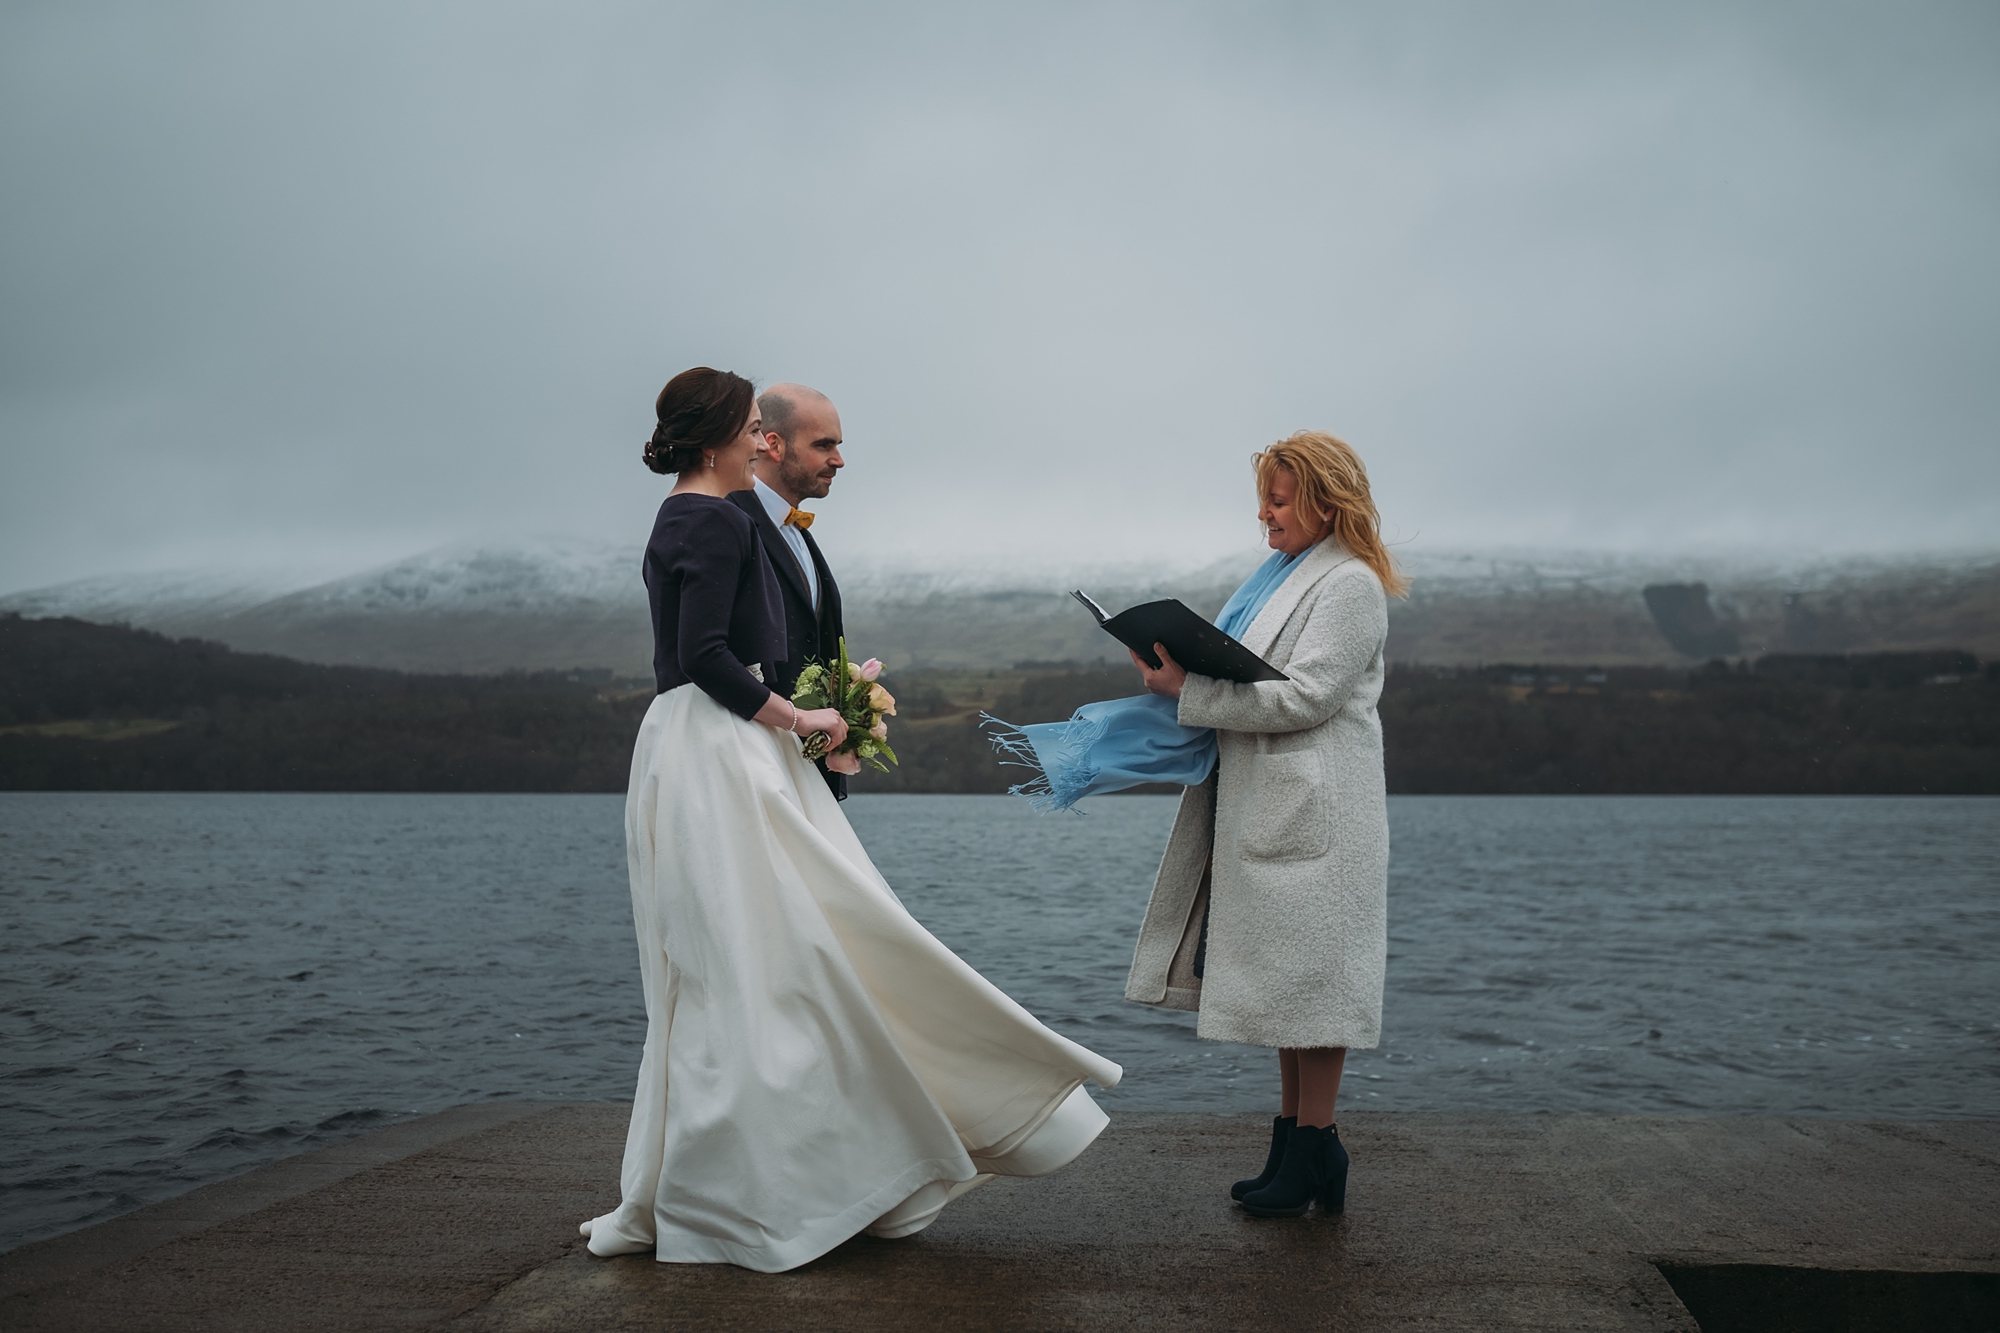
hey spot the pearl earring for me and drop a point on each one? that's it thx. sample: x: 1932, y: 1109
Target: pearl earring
x: 711, y: 460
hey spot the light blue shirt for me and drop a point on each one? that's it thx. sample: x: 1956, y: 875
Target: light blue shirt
x: 779, y: 508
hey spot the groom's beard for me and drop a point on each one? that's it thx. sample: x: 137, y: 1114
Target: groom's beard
x: 802, y: 479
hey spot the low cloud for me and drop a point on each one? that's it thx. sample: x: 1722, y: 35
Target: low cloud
x: 331, y: 286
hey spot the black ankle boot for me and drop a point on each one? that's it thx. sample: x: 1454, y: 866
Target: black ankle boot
x: 1281, y: 1128
x: 1314, y: 1167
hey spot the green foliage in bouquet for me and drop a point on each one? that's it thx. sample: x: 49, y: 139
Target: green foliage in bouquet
x: 860, y: 699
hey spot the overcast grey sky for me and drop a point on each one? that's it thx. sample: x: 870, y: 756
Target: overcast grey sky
x: 330, y: 284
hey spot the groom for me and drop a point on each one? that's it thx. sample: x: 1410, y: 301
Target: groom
x: 802, y: 439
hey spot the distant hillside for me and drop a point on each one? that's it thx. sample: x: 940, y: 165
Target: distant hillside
x: 1915, y: 723
x: 96, y: 707
x: 561, y: 605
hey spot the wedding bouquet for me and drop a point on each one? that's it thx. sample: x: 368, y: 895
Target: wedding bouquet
x: 851, y: 688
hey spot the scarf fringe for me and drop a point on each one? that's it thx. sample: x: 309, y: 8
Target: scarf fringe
x: 1068, y: 778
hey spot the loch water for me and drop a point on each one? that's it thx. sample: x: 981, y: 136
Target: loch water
x: 193, y: 985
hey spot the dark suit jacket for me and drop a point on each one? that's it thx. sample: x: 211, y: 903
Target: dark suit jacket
x: 807, y: 636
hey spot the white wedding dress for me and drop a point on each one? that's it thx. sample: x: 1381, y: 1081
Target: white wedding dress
x: 816, y: 1063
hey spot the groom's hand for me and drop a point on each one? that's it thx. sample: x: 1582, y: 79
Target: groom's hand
x: 1167, y: 678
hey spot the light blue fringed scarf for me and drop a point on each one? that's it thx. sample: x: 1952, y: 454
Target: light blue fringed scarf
x: 1122, y: 743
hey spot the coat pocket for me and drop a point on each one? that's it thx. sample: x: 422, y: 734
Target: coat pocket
x: 1285, y: 820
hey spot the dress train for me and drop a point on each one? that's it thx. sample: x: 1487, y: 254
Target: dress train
x: 816, y: 1063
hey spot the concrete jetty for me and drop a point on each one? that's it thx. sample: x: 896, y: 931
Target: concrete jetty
x: 467, y: 1221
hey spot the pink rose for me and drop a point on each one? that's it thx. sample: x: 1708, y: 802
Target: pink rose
x: 880, y: 731
x: 871, y: 668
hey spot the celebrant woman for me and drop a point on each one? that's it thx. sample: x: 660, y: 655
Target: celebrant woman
x: 816, y: 1064
x: 1269, y: 914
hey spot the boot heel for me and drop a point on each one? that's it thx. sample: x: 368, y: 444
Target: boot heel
x: 1333, y: 1198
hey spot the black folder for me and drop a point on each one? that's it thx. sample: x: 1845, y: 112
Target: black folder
x: 1195, y: 644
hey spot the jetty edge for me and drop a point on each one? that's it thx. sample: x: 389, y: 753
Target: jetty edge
x: 467, y: 1220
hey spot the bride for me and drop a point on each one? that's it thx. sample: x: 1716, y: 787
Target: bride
x: 816, y: 1064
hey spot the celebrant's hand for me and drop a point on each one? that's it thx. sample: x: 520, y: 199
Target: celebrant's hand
x: 846, y: 762
x: 1167, y: 678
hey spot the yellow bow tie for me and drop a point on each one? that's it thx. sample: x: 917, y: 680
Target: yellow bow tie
x: 799, y: 519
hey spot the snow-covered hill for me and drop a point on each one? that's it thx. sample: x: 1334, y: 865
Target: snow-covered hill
x: 553, y: 602
x: 152, y: 601
x: 537, y: 576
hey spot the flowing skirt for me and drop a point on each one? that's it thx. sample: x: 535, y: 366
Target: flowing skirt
x: 816, y: 1063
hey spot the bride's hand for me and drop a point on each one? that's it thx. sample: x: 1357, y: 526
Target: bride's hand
x: 847, y: 762
x: 827, y: 720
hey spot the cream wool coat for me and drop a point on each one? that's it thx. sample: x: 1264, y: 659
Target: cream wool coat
x: 1297, y: 820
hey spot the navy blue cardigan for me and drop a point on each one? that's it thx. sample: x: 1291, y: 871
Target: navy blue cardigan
x: 715, y: 602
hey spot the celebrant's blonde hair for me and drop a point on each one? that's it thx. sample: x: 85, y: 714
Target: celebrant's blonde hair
x: 1333, y: 487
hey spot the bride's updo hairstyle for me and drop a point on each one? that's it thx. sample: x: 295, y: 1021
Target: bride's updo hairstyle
x: 1333, y: 486
x: 699, y: 409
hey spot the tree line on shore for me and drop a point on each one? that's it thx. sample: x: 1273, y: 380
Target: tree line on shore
x: 97, y: 707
